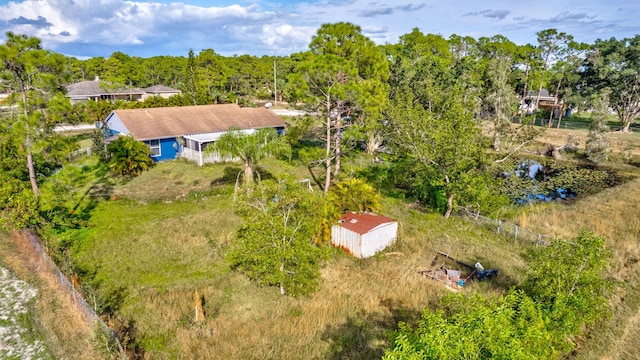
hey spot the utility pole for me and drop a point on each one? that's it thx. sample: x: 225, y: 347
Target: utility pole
x: 275, y: 86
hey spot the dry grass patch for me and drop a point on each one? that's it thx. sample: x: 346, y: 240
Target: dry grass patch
x: 66, y: 333
x: 160, y: 254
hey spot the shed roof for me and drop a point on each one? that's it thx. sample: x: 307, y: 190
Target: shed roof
x: 157, y: 123
x: 362, y: 223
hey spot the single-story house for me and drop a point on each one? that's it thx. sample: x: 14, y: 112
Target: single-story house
x: 185, y: 131
x: 164, y: 92
x: 97, y: 90
x: 363, y: 235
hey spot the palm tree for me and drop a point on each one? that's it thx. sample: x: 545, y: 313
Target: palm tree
x: 129, y: 157
x: 250, y: 148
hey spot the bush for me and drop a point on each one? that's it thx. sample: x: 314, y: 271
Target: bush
x: 128, y: 157
x: 274, y: 246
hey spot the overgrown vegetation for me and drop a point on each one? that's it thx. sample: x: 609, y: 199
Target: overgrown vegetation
x: 157, y: 254
x: 274, y: 245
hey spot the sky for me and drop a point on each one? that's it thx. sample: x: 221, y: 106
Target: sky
x: 146, y: 28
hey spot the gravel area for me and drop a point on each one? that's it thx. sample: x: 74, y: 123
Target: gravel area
x: 16, y: 341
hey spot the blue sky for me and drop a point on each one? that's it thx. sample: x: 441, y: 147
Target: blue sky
x: 89, y: 28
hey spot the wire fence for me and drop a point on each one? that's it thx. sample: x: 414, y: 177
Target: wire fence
x: 507, y: 229
x: 88, y: 314
x: 76, y: 154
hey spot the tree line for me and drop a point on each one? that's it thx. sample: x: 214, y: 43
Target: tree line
x: 422, y: 97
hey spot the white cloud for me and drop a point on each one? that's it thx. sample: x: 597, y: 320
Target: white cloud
x: 279, y: 27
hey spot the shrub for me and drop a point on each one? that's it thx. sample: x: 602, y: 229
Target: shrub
x: 128, y: 157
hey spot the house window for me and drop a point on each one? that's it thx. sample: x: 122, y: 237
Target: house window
x: 154, y: 146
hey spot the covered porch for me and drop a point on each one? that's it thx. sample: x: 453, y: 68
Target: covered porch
x: 194, y: 147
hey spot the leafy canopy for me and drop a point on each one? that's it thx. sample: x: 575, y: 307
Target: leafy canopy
x: 274, y: 246
x: 250, y: 148
x: 129, y: 157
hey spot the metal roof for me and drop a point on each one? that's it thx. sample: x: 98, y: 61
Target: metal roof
x: 362, y: 223
x: 213, y: 136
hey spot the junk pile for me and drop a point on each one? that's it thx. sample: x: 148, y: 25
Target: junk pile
x: 447, y: 270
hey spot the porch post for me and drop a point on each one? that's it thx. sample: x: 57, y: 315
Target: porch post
x: 200, y: 152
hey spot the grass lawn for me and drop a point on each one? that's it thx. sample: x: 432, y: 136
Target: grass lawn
x: 153, y: 249
x: 147, y: 252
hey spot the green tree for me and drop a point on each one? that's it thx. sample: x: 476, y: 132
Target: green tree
x: 551, y: 46
x: 472, y: 327
x: 327, y: 84
x: 597, y: 142
x: 274, y: 246
x: 250, y: 148
x: 29, y: 71
x: 614, y: 65
x: 443, y: 141
x: 355, y: 195
x: 129, y: 157
x: 371, y: 72
x: 568, y: 279
x: 191, y: 76
x: 348, y: 195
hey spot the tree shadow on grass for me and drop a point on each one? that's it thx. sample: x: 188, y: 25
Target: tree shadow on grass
x: 234, y: 174
x: 367, y: 335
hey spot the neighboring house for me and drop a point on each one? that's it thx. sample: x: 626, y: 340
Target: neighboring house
x: 97, y: 90
x: 546, y: 101
x: 160, y: 90
x: 186, y: 131
x: 363, y: 235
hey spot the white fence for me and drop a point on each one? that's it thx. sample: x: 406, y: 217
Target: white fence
x: 202, y: 157
x: 80, y: 153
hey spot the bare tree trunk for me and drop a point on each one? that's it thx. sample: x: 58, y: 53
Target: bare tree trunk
x: 327, y: 180
x: 32, y: 174
x: 538, y: 96
x: 28, y: 145
x: 525, y: 90
x: 338, y: 141
x: 447, y: 214
x: 447, y: 185
x: 560, y: 117
x: 282, y: 291
x: 248, y: 172
x: 555, y: 103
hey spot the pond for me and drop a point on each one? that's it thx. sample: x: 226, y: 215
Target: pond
x: 532, y: 185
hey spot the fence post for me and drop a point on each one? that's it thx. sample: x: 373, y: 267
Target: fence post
x: 515, y: 232
x: 539, y: 240
x: 499, y: 225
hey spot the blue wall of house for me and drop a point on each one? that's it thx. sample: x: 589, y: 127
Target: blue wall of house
x: 110, y: 132
x: 169, y: 149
